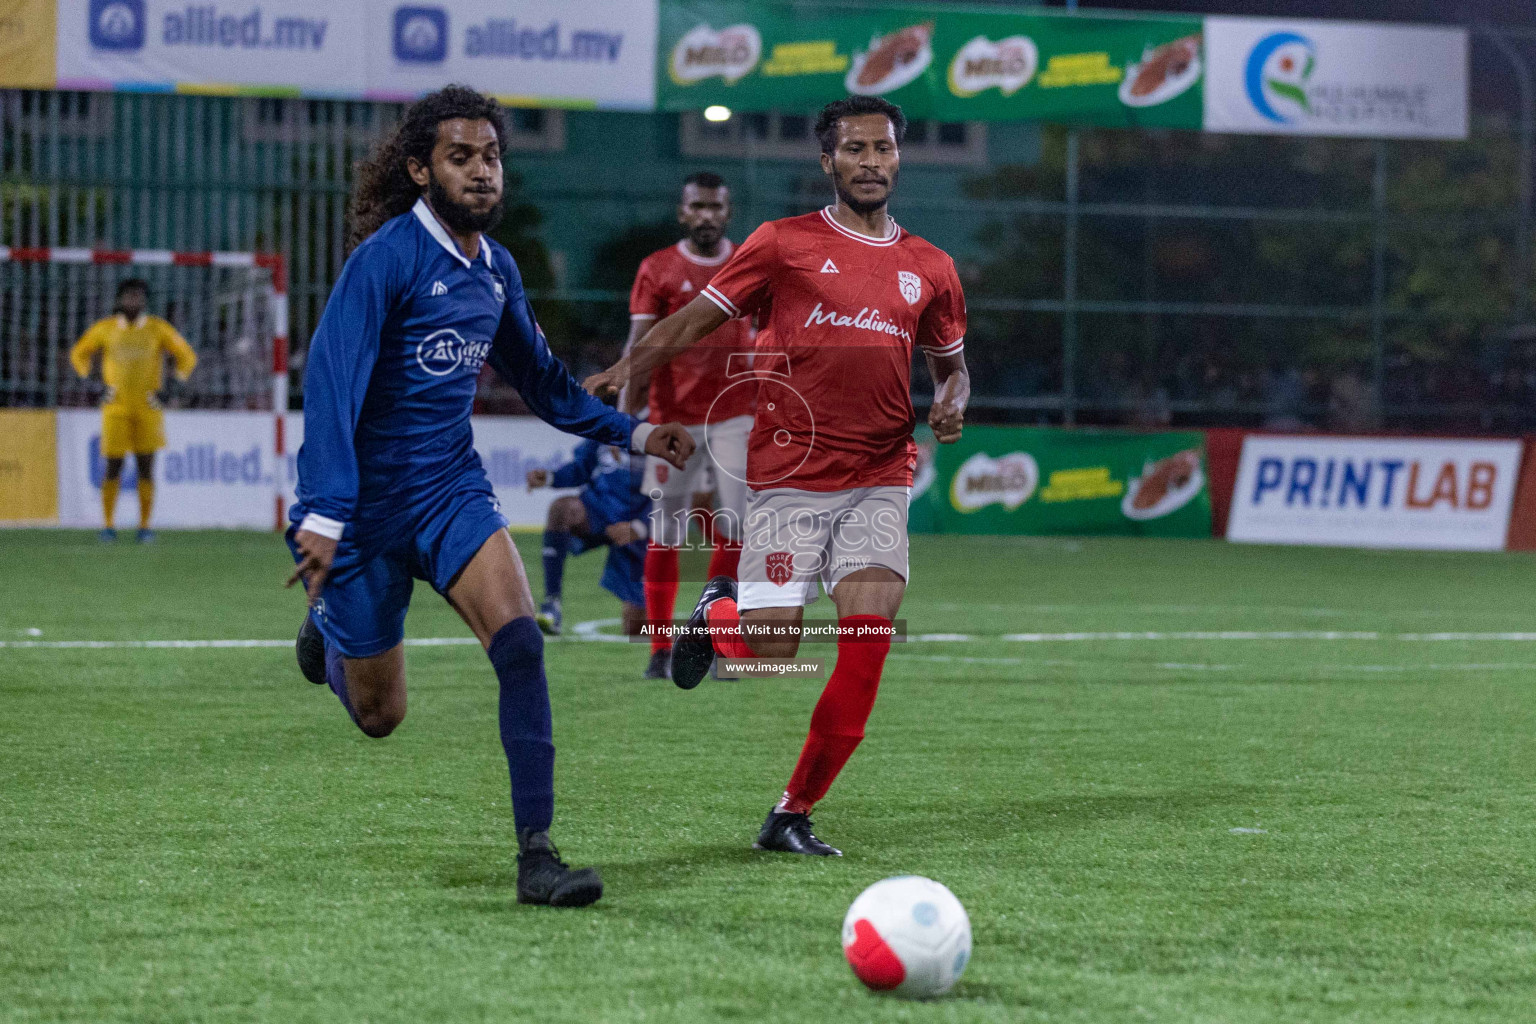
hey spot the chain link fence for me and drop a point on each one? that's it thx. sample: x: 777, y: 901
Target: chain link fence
x: 1113, y: 276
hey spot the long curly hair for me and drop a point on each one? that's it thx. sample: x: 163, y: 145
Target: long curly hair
x: 384, y: 188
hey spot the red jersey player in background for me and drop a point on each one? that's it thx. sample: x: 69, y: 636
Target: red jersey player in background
x: 693, y: 389
x: 831, y: 455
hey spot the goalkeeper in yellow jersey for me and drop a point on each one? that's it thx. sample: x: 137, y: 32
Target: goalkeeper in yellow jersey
x: 133, y: 347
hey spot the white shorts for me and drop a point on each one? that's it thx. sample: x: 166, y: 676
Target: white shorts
x: 718, y: 466
x: 795, y: 538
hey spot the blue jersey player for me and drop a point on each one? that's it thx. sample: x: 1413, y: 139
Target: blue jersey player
x: 390, y: 488
x: 610, y: 511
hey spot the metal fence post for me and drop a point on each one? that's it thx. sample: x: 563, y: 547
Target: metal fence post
x: 1378, y: 279
x: 1069, y: 283
x: 1069, y: 291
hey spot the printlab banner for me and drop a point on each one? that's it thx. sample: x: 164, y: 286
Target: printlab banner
x: 1042, y: 481
x: 1291, y: 77
x: 1375, y: 492
x: 937, y: 62
x: 586, y: 53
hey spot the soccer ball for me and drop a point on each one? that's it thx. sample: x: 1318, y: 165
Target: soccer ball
x: 907, y: 935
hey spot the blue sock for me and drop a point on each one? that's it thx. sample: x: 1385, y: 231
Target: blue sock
x: 517, y: 654
x: 336, y: 679
x: 557, y: 544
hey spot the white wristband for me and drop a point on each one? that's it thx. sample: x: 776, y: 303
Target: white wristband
x: 639, y: 526
x: 324, y: 527
x: 641, y: 435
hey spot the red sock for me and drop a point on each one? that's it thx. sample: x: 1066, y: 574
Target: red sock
x: 837, y: 724
x: 660, y: 590
x: 725, y: 559
x: 725, y: 630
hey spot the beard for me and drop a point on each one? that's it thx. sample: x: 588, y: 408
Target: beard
x: 457, y: 215
x: 705, y: 238
x: 862, y: 206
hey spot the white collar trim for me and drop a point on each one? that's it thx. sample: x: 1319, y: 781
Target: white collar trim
x: 891, y: 239
x: 435, y: 228
x: 136, y: 323
x: 705, y: 261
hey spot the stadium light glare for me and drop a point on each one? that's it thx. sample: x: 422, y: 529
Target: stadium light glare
x: 717, y: 113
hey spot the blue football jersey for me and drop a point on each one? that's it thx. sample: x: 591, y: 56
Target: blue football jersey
x: 611, y: 483
x: 392, y: 369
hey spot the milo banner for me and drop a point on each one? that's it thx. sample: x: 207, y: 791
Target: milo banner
x: 1045, y: 481
x: 941, y: 62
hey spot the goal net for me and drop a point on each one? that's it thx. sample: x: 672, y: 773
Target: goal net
x: 232, y: 307
x: 229, y: 307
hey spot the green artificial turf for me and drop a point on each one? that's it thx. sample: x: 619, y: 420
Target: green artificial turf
x: 200, y: 835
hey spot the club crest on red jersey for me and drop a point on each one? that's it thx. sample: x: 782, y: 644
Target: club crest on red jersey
x: 911, y: 286
x: 781, y: 566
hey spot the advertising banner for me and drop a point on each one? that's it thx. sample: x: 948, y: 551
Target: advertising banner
x: 509, y: 447
x: 1292, y: 77
x: 28, y: 45
x: 581, y: 53
x: 1044, y: 481
x: 936, y: 62
x: 28, y: 480
x: 1375, y: 492
x: 271, y: 46
x: 533, y: 52
x: 217, y: 470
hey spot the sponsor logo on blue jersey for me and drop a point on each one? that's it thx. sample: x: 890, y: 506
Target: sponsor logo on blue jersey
x: 443, y: 352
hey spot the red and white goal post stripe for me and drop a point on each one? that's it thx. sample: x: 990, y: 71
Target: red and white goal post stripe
x: 277, y: 298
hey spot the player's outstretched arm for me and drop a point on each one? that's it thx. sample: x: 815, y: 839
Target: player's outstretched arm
x: 664, y: 342
x: 951, y: 394
x: 578, y: 472
x: 521, y: 355
x: 342, y: 353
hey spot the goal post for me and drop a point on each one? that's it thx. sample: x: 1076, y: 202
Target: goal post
x: 232, y: 307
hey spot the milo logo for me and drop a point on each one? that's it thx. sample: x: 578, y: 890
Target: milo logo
x: 1007, y: 65
x: 1008, y: 481
x: 730, y: 53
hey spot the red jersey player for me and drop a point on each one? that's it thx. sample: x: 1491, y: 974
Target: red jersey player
x: 831, y: 456
x: 694, y: 389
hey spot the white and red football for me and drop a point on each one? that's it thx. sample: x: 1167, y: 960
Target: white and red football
x: 907, y: 935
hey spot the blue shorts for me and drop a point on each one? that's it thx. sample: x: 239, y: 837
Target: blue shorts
x: 362, y: 608
x: 624, y: 575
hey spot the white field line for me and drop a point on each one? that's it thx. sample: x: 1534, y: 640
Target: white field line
x: 594, y: 631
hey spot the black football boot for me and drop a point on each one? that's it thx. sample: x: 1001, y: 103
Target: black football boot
x: 693, y: 651
x: 310, y: 649
x: 543, y: 878
x: 660, y: 666
x: 785, y: 832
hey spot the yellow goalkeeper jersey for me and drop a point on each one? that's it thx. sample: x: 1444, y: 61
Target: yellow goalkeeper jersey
x: 132, y: 355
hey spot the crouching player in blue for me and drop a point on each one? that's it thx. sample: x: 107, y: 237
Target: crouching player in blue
x: 610, y: 511
x: 390, y: 488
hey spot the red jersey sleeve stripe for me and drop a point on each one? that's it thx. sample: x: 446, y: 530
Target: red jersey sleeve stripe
x: 714, y: 295
x: 946, y: 350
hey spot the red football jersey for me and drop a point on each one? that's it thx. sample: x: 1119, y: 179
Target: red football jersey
x: 836, y: 412
x: 694, y: 387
